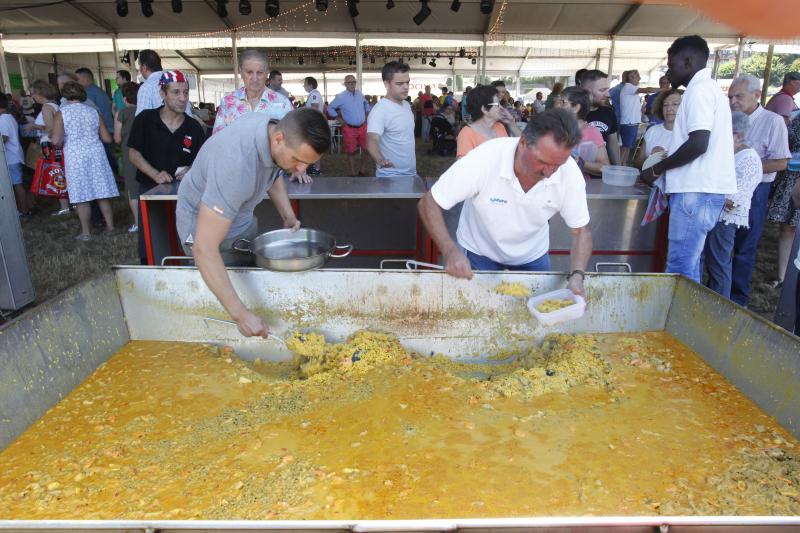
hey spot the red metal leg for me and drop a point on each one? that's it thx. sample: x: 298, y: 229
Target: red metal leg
x: 148, y: 242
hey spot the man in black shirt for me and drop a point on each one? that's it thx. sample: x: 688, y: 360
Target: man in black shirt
x: 601, y: 115
x: 164, y: 142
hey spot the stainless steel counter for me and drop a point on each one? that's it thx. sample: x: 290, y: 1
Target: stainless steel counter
x: 325, y: 189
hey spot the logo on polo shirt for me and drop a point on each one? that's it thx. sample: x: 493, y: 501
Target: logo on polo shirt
x: 498, y: 200
x: 187, y: 143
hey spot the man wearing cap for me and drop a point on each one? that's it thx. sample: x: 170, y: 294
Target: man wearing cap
x: 163, y: 143
x: 783, y: 102
x: 351, y: 109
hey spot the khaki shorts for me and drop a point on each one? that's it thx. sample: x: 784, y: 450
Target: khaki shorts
x: 231, y: 257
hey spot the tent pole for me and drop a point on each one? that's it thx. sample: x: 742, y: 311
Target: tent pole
x: 235, y: 59
x: 23, y: 71
x: 597, y: 59
x: 519, y: 84
x: 483, y: 60
x: 99, y: 72
x: 739, y: 53
x: 324, y: 87
x: 611, y: 55
x: 359, y: 62
x: 767, y: 72
x: 4, y: 70
x: 116, y: 54
x: 715, y: 68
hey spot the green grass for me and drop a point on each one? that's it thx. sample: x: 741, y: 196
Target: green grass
x: 58, y: 262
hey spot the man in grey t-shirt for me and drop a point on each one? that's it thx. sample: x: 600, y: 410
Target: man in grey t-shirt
x: 390, y: 126
x: 230, y: 176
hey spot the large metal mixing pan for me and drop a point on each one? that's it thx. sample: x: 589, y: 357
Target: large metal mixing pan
x: 285, y: 250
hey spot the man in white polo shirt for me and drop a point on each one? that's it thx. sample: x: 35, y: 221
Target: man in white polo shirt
x: 511, y: 187
x: 700, y: 168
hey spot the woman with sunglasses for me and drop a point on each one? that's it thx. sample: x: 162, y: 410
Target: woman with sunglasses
x: 489, y: 120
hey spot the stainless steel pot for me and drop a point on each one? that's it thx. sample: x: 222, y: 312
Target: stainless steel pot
x: 285, y: 250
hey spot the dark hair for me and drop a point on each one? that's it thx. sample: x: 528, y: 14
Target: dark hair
x: 578, y: 96
x: 72, y: 90
x: 557, y: 88
x: 274, y: 74
x: 393, y: 67
x: 498, y: 83
x: 478, y: 97
x: 312, y: 81
x: 556, y: 122
x: 45, y: 90
x: 693, y: 43
x: 3, y: 101
x: 129, y: 91
x: 592, y: 75
x: 658, y: 105
x: 306, y: 125
x: 151, y: 60
x: 579, y: 76
x: 83, y: 71
x: 124, y: 74
x: 444, y: 90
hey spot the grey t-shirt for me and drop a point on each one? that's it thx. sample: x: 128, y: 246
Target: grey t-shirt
x: 231, y: 175
x: 395, y: 124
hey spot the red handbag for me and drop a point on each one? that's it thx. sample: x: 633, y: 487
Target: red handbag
x: 49, y: 178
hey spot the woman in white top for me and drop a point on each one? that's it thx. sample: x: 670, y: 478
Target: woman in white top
x: 657, y: 138
x: 47, y: 96
x: 719, y: 243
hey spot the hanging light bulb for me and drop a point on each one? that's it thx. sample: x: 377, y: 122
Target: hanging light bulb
x: 451, y: 60
x: 177, y: 6
x: 122, y: 8
x: 474, y: 61
x: 424, y: 61
x: 273, y: 8
x: 244, y: 7
x: 433, y: 62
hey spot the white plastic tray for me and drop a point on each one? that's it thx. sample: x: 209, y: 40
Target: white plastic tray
x: 571, y: 312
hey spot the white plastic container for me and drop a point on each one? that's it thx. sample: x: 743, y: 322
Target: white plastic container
x: 571, y: 312
x: 619, y: 176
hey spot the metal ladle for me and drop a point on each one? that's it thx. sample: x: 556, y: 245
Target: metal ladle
x: 269, y: 335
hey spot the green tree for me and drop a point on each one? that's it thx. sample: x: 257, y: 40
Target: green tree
x: 757, y: 63
x: 726, y: 70
x: 795, y: 66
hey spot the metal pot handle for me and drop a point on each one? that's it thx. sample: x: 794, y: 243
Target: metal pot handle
x: 243, y: 245
x: 414, y: 265
x: 600, y: 265
x: 347, y: 247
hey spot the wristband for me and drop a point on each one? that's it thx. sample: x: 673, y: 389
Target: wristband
x: 581, y: 272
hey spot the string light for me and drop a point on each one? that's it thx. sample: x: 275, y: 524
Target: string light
x: 498, y: 23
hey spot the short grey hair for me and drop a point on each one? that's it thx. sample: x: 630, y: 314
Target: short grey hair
x: 67, y: 75
x: 740, y: 122
x: 252, y: 55
x: 753, y: 83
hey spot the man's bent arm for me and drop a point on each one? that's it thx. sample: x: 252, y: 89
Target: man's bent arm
x: 612, y: 145
x: 210, y: 232
x: 374, y: 149
x: 280, y: 198
x: 695, y: 146
x: 455, y: 262
x: 774, y: 165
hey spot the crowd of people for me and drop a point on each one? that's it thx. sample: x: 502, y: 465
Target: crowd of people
x: 719, y: 163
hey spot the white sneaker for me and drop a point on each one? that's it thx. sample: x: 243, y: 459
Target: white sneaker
x: 133, y: 229
x: 60, y: 212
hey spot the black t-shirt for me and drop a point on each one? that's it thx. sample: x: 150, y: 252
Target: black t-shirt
x: 604, y: 119
x: 163, y: 149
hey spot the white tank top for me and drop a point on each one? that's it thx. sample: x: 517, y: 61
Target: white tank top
x: 40, y: 122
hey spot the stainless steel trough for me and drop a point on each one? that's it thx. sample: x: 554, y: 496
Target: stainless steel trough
x: 45, y: 353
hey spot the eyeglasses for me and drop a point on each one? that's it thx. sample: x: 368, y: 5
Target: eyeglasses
x: 493, y: 104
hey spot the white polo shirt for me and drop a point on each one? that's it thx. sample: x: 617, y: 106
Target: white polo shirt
x: 499, y: 220
x: 704, y: 107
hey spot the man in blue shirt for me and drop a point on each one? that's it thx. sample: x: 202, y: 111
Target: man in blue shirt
x: 96, y: 95
x: 350, y: 108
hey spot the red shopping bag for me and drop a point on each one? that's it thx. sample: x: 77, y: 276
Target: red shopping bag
x: 49, y: 179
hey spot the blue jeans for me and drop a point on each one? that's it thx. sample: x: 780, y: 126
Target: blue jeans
x: 426, y: 128
x: 691, y: 216
x: 479, y: 262
x: 746, y: 245
x: 719, y: 257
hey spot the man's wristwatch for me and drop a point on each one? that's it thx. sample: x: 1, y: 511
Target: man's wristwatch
x: 581, y: 272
